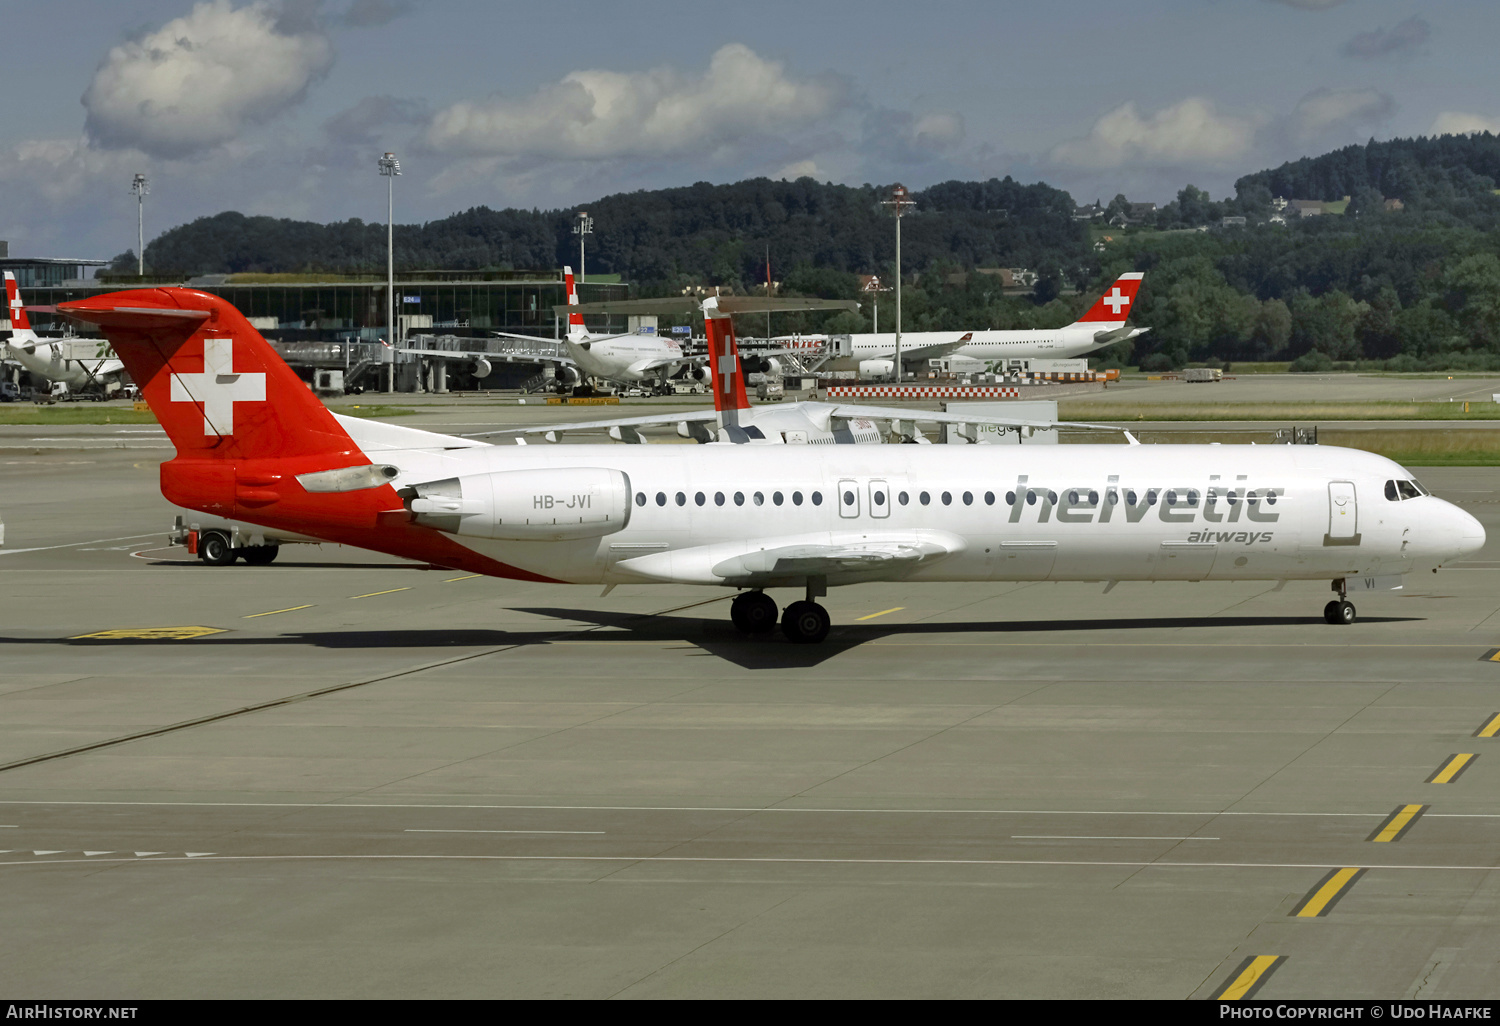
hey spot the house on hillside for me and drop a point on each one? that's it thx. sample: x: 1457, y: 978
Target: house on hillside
x: 1304, y: 208
x: 1089, y: 212
x: 1011, y: 277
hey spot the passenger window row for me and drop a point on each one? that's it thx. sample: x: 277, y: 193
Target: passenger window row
x: 739, y: 498
x: 1398, y: 491
x: 1076, y: 497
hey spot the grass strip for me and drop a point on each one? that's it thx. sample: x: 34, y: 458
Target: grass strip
x: 1289, y: 413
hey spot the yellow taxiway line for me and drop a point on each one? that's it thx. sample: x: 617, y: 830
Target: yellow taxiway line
x: 273, y: 612
x: 1397, y: 823
x: 1327, y: 892
x: 1450, y: 770
x: 1249, y: 976
x: 372, y: 594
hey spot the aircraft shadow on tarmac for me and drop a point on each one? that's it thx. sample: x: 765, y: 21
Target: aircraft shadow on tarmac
x: 715, y: 637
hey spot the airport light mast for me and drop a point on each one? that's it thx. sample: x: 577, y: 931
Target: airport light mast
x: 874, y: 288
x: 899, y: 204
x: 390, y: 167
x: 141, y: 186
x: 583, y: 229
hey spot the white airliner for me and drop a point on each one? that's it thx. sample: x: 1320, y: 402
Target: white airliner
x: 253, y: 443
x: 626, y: 358
x: 874, y: 356
x: 734, y: 420
x: 52, y: 358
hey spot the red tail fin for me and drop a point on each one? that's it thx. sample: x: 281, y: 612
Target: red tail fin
x: 725, y: 371
x: 240, y: 418
x: 575, y: 319
x: 18, y: 319
x: 248, y: 430
x: 215, y: 384
x: 1114, y: 305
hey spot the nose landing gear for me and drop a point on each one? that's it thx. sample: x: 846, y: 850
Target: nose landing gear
x: 1340, y: 610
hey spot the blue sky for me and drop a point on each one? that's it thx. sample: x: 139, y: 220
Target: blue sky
x: 280, y: 107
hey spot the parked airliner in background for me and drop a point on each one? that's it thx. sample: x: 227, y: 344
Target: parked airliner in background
x: 734, y: 420
x: 1103, y: 325
x: 45, y: 358
x: 253, y: 443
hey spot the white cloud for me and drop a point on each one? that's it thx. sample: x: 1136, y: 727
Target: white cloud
x: 592, y: 115
x: 200, y: 80
x: 1402, y: 41
x: 1188, y: 132
x: 1329, y: 109
x: 940, y: 130
x: 800, y: 169
x: 1452, y: 122
x: 64, y: 169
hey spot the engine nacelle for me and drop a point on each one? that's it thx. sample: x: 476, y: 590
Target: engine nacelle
x: 701, y: 373
x: 876, y: 370
x: 526, y: 505
x: 482, y: 368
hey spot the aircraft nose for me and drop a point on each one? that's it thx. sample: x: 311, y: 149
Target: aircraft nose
x: 1463, y: 535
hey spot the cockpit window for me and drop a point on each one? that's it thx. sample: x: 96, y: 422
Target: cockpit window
x: 1396, y: 491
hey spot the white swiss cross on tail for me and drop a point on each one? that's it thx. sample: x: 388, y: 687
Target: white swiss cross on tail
x: 1117, y: 300
x: 218, y: 388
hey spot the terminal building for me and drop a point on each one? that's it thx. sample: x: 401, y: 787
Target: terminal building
x: 336, y: 321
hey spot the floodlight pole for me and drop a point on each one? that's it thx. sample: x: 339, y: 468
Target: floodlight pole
x: 390, y: 167
x: 583, y: 229
x: 899, y: 204
x: 875, y: 289
x: 141, y: 186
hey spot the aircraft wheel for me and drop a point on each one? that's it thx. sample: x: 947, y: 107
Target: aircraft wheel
x: 1331, y: 612
x: 753, y: 612
x: 260, y: 555
x: 1343, y: 612
x: 214, y: 549
x: 806, y: 623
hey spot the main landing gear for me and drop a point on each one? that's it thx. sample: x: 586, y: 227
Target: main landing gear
x: 1340, y: 610
x: 753, y: 612
x: 804, y: 622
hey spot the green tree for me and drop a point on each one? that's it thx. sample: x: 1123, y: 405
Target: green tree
x: 1271, y: 330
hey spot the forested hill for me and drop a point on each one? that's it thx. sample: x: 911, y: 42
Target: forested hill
x: 1422, y: 171
x: 703, y: 232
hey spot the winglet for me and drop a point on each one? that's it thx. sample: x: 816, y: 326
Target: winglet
x: 726, y: 373
x: 1114, y: 306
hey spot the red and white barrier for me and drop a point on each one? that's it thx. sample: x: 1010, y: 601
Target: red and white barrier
x: 923, y: 392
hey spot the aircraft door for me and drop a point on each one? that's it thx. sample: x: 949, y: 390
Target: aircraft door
x: 1343, y: 512
x: 848, y: 499
x: 880, y: 499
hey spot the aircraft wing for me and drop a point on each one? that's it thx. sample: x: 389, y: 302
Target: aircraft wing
x: 765, y: 562
x: 489, y: 357
x: 624, y: 425
x: 850, y: 410
x: 656, y: 363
